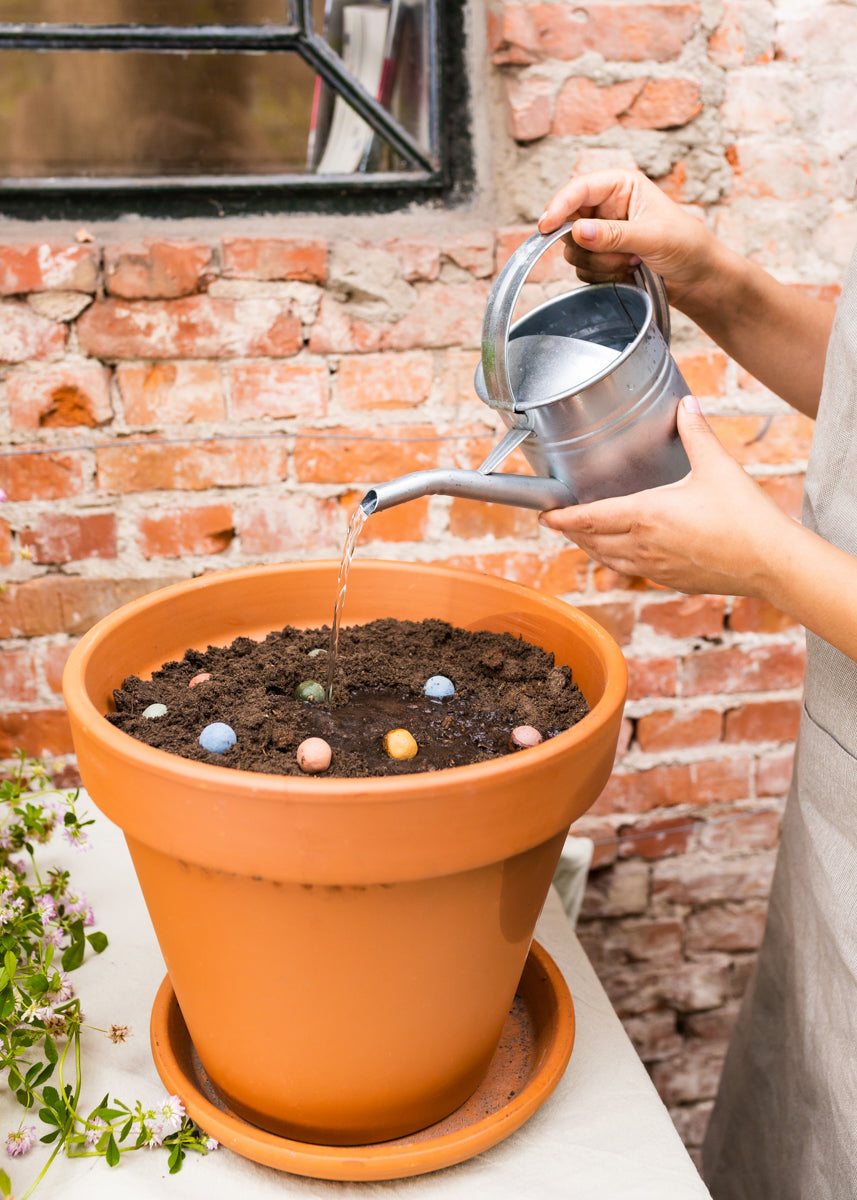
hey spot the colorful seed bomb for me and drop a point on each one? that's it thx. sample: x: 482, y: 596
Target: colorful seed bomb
x: 439, y: 687
x: 316, y: 652
x: 217, y: 738
x: 311, y: 691
x: 524, y: 736
x: 155, y: 710
x: 200, y: 678
x: 400, y: 744
x: 313, y: 755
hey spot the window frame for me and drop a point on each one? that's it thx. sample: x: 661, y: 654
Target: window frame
x: 447, y: 172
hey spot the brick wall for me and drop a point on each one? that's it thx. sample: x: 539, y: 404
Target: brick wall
x: 177, y: 398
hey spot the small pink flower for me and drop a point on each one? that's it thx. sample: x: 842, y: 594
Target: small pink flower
x: 169, y: 1115
x: 3, y: 496
x: 20, y: 1141
x: 95, y: 1128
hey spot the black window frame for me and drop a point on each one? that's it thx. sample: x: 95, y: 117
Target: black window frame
x: 448, y: 176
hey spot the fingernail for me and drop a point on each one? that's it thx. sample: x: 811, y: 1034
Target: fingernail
x: 586, y: 231
x: 634, y: 260
x: 542, y: 217
x: 691, y: 404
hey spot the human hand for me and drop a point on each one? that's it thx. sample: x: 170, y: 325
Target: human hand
x: 621, y: 217
x: 715, y: 531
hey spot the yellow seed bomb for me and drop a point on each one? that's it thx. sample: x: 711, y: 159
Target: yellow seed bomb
x: 400, y: 744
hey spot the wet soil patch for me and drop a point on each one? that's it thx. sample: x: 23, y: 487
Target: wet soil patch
x: 500, y: 682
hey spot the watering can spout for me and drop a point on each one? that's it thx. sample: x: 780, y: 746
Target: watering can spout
x: 523, y: 491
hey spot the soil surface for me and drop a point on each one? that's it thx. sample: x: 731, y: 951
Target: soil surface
x: 500, y: 682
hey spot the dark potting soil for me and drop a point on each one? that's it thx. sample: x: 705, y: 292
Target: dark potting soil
x: 500, y: 682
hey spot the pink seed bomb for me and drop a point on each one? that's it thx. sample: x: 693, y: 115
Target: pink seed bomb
x: 313, y: 755
x: 524, y: 736
x: 201, y: 678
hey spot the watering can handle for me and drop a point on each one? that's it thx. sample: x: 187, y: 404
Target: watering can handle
x: 504, y: 297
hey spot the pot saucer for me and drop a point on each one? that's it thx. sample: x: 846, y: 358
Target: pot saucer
x: 533, y: 1052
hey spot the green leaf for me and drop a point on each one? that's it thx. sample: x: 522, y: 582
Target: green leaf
x: 73, y: 954
x: 5, y: 1183
x: 126, y: 1129
x: 50, y: 1137
x: 98, y: 941
x: 45, y: 1074
x: 48, y: 1116
x: 51, y: 1052
x: 112, y: 1154
x: 51, y: 1097
x: 10, y: 962
x: 176, y: 1158
x: 30, y: 1077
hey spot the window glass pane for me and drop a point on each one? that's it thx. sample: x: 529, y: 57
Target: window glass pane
x: 147, y: 12
x: 143, y: 114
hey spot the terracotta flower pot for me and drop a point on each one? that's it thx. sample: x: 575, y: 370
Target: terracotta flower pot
x: 344, y: 951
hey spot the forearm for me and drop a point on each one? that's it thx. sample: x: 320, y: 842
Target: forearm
x: 815, y: 582
x: 775, y: 332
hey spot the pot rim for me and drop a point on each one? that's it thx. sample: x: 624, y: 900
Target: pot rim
x: 336, y: 789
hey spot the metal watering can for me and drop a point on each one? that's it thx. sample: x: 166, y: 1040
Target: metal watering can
x: 585, y: 384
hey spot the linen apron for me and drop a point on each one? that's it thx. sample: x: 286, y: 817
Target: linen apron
x: 784, y: 1125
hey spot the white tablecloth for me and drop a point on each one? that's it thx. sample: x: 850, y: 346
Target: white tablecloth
x: 604, y: 1132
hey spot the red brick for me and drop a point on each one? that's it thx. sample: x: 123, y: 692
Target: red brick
x: 351, y: 455
x: 717, y: 780
x: 674, y: 183
x: 583, y: 108
x: 373, y: 381
x: 644, y: 940
x: 606, y: 580
x: 772, y: 721
x: 651, y: 677
x: 54, y: 657
x: 622, y: 32
x: 67, y: 537
x: 290, y: 524
x: 17, y: 677
x: 744, y: 36
x: 616, y: 618
x: 753, y: 669
x: 5, y: 543
x: 443, y: 315
x: 474, y: 519
x: 160, y: 466
x: 691, y: 1077
x: 472, y: 251
x: 419, y: 258
x: 190, y: 327
x: 275, y: 258
x: 774, y: 773
x: 278, y: 389
x: 741, y: 832
x: 44, y: 731
x: 687, y: 616
x: 704, y: 373
x: 175, y: 532
x: 781, y: 170
x: 654, y: 1035
x: 551, y: 266
x: 750, y: 615
x: 656, y: 838
x: 24, y: 335
x: 605, y: 843
x: 773, y: 440
x: 725, y: 927
x: 171, y: 393
x: 42, y: 267
x: 63, y: 396
x: 701, y: 881
x: 716, y: 1025
x: 66, y: 603
x: 53, y: 475
x: 157, y: 270
x: 617, y: 891
x: 668, y: 730
x: 401, y: 523
x: 529, y: 107
x: 336, y: 331
x: 642, y: 791
x: 557, y: 574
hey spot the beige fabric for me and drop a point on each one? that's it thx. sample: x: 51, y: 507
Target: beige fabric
x: 785, y: 1123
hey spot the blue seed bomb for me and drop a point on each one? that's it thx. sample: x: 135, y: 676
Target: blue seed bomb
x: 439, y: 687
x: 217, y: 738
x: 155, y: 710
